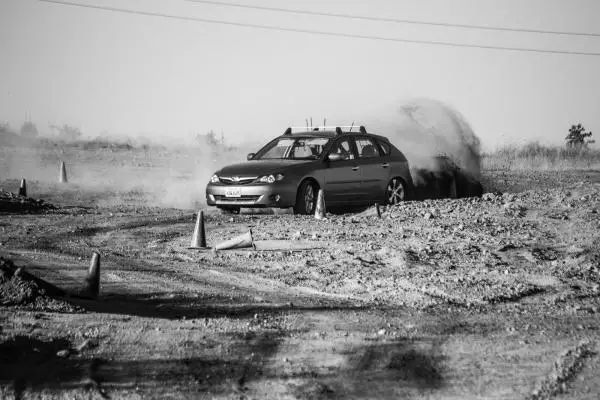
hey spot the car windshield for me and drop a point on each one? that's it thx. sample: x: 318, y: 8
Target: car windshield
x: 294, y: 149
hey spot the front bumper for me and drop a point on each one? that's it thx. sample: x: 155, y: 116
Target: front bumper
x: 263, y: 195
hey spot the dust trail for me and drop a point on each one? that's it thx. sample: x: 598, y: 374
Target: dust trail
x: 109, y: 172
x: 424, y: 128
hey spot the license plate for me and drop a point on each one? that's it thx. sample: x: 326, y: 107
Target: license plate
x: 233, y: 193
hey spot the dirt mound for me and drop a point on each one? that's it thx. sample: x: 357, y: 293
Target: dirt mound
x: 10, y: 202
x: 20, y: 289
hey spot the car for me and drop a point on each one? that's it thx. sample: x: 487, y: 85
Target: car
x: 351, y: 166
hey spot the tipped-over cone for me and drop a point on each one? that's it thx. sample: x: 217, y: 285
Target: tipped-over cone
x: 23, y: 188
x: 199, y: 237
x: 238, y: 242
x: 62, y: 177
x: 320, y: 208
x: 92, y: 282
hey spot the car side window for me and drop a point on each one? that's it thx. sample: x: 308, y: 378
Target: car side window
x: 343, y: 148
x: 385, y: 147
x: 367, y: 148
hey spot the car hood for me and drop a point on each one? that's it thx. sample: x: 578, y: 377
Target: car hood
x: 260, y: 167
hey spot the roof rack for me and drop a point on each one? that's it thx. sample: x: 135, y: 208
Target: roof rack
x: 338, y: 129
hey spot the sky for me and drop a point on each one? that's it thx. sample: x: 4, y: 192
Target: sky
x: 111, y: 73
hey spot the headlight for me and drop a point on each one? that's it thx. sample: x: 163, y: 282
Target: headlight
x: 270, y: 178
x: 214, y: 178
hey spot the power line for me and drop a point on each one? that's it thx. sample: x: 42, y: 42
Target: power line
x: 395, y: 20
x: 322, y: 33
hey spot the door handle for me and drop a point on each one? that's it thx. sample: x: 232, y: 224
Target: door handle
x: 385, y: 165
x: 355, y: 168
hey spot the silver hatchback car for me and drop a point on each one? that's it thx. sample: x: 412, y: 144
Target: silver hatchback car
x: 351, y: 167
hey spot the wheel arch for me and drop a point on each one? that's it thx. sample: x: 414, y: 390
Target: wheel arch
x: 313, y: 182
x: 309, y: 178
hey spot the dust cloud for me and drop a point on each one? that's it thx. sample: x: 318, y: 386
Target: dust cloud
x: 424, y: 128
x: 108, y: 172
x: 105, y: 172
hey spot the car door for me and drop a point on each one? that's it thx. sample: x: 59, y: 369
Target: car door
x: 374, y: 168
x: 342, y: 177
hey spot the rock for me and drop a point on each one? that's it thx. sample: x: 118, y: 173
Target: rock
x: 63, y: 353
x: 575, y: 250
x: 488, y: 197
x: 297, y: 235
x: 86, y: 344
x: 428, y: 215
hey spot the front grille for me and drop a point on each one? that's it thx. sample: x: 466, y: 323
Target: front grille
x: 237, y: 180
x: 241, y: 199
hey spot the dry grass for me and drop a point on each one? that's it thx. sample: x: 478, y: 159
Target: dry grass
x: 538, y: 157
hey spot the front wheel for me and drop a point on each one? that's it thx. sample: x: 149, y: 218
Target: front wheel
x: 395, y: 192
x: 306, y: 200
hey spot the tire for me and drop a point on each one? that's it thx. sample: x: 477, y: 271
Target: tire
x: 395, y: 192
x: 230, y: 210
x: 306, y: 199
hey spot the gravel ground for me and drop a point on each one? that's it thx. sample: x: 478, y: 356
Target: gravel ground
x: 491, y: 297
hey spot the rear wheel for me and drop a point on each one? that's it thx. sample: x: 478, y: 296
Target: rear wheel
x: 395, y: 192
x: 306, y: 199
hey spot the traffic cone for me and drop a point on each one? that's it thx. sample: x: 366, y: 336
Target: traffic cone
x: 378, y: 210
x: 320, y: 208
x: 23, y: 188
x: 92, y: 282
x: 62, y: 178
x: 199, y: 237
x: 238, y: 242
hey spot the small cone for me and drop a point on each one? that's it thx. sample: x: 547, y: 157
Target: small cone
x: 320, y: 208
x: 62, y: 178
x: 378, y: 210
x: 199, y: 237
x: 238, y: 242
x: 92, y: 282
x: 23, y: 188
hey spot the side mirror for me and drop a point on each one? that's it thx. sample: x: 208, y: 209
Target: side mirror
x: 335, y: 157
x: 250, y: 156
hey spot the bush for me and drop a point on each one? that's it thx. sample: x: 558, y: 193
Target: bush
x: 535, y: 156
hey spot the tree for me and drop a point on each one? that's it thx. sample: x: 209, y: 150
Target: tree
x: 577, y: 135
x: 28, y: 130
x: 67, y: 132
x: 209, y: 139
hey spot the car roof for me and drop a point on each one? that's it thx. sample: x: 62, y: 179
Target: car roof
x: 332, y: 134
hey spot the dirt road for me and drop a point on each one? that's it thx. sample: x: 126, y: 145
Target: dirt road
x: 495, y: 297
